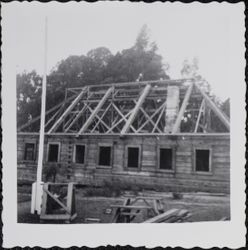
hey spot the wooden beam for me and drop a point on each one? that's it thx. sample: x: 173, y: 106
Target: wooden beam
x: 163, y: 217
x: 136, y: 109
x: 215, y: 109
x: 182, y: 109
x: 77, y: 117
x: 153, y: 115
x: 149, y: 119
x: 95, y: 111
x: 117, y: 123
x: 178, y: 82
x: 106, y: 110
x: 97, y: 116
x: 160, y: 115
x: 47, y: 113
x: 124, y: 116
x: 67, y: 111
x: 199, y: 116
x: 53, y: 117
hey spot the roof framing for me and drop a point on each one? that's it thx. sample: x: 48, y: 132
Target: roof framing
x: 128, y: 108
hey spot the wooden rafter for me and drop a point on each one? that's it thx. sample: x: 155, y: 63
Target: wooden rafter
x: 124, y: 116
x: 136, y: 109
x: 76, y: 117
x: 160, y: 115
x: 95, y: 111
x: 53, y: 117
x: 215, y: 109
x: 199, y: 116
x: 117, y: 123
x: 182, y: 109
x: 47, y: 113
x: 67, y: 111
x: 101, y: 118
x: 153, y: 115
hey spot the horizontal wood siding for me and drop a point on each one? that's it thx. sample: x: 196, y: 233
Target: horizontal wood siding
x: 183, y: 173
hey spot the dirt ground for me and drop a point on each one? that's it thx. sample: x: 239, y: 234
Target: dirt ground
x: 202, y: 206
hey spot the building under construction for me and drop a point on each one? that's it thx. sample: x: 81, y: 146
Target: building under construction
x: 153, y: 133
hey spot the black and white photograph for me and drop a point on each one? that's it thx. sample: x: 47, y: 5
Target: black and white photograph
x: 125, y: 116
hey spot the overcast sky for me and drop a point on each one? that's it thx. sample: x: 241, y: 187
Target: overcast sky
x: 181, y: 31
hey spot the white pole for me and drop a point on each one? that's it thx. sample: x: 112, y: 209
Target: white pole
x: 43, y: 112
x: 37, y: 187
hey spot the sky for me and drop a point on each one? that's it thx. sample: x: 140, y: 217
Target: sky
x: 181, y: 31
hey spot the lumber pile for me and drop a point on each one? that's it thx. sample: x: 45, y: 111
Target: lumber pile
x: 171, y: 216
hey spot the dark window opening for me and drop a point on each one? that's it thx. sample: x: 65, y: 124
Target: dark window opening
x: 29, y: 152
x: 133, y: 157
x: 53, y: 152
x: 165, y: 161
x: 105, y: 156
x: 202, y: 160
x: 80, y: 152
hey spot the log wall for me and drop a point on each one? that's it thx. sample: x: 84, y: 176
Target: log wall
x: 183, y: 175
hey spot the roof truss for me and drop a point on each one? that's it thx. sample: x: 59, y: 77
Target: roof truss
x: 130, y: 108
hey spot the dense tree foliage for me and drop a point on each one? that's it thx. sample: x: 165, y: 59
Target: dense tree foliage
x: 98, y: 66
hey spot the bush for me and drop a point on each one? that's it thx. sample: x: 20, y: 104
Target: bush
x: 50, y: 173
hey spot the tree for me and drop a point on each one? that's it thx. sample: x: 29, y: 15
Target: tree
x: 27, y: 95
x: 98, y: 66
x: 190, y: 70
x: 140, y: 59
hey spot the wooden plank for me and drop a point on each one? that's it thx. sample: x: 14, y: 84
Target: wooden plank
x: 55, y: 217
x: 199, y: 116
x: 162, y: 217
x: 57, y: 200
x: 69, y: 197
x: 153, y: 115
x: 67, y: 111
x: 182, y: 109
x: 136, y: 109
x: 216, y: 110
x: 95, y: 111
x: 130, y: 206
x: 77, y: 117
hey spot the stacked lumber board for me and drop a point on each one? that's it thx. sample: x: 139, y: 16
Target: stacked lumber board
x: 171, y: 216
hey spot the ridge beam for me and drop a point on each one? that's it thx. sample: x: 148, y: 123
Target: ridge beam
x: 136, y: 109
x: 67, y: 111
x: 215, y: 109
x: 96, y: 110
x: 182, y: 109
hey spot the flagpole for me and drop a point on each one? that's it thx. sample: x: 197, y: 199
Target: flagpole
x: 37, y: 186
x: 43, y: 112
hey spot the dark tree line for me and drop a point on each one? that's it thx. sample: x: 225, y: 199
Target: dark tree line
x: 98, y: 66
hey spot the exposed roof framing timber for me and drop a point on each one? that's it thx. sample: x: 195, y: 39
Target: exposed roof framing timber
x: 134, y: 84
x: 182, y: 109
x: 95, y: 111
x: 53, y: 117
x: 131, y: 134
x: 136, y: 109
x: 153, y: 115
x: 101, y: 117
x: 124, y: 117
x: 67, y: 111
x: 215, y: 109
x: 47, y: 112
x: 76, y: 117
x: 199, y: 115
